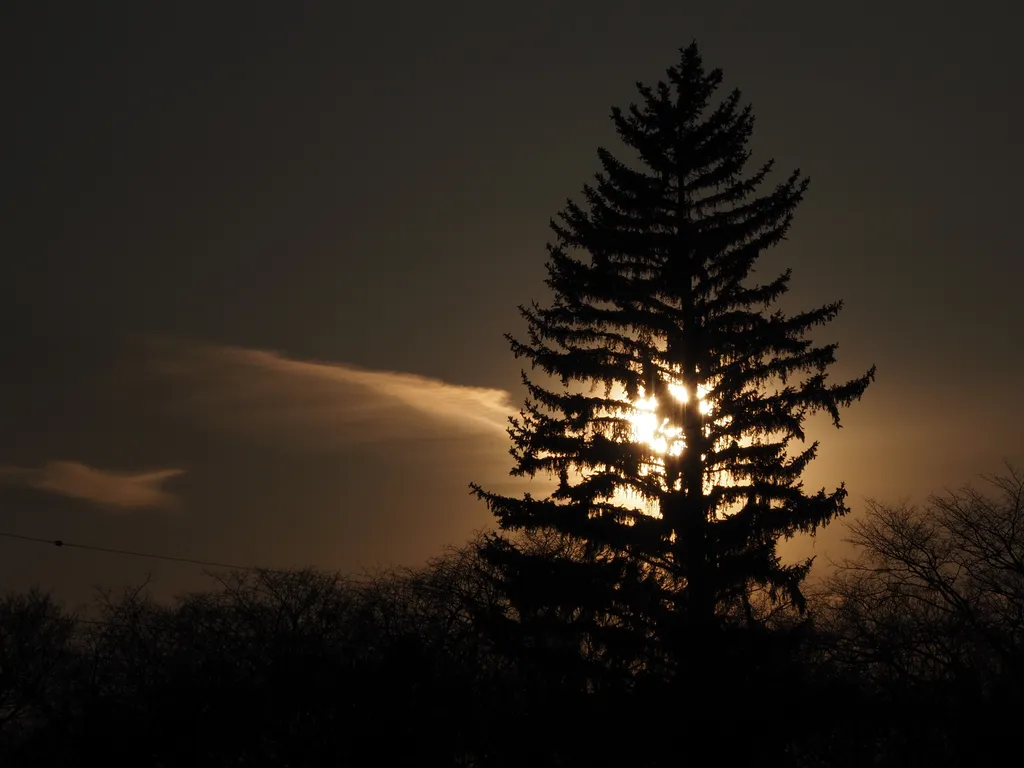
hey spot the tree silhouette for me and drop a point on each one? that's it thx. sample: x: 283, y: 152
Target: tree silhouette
x: 920, y: 636
x: 35, y: 654
x: 271, y: 668
x: 671, y: 397
x: 936, y: 591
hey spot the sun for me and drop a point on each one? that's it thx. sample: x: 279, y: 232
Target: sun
x: 659, y: 435
x: 663, y: 437
x: 649, y: 423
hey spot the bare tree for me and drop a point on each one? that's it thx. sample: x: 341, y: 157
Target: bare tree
x: 35, y: 647
x: 925, y: 626
x: 937, y: 592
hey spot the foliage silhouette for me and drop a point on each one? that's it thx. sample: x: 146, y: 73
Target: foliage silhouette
x: 668, y: 534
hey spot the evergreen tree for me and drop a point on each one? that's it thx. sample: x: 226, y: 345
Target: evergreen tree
x: 672, y: 397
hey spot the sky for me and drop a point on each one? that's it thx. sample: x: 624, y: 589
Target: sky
x: 257, y: 259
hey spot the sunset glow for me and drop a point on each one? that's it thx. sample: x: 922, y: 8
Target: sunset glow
x: 664, y: 437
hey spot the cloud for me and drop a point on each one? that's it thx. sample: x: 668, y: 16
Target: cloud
x: 264, y: 393
x: 121, y: 490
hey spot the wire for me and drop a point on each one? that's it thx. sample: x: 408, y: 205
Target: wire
x: 133, y: 553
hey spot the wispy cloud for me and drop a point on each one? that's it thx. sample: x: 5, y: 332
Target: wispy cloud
x: 119, y: 490
x: 266, y: 393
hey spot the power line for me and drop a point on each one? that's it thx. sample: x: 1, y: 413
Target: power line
x: 133, y: 553
x: 149, y: 555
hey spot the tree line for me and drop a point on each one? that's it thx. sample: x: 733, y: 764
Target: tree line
x: 910, y: 653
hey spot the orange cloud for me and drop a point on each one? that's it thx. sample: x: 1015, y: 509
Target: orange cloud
x: 264, y: 393
x: 121, y: 490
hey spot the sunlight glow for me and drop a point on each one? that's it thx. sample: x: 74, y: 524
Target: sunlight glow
x: 678, y: 391
x: 650, y: 424
x: 662, y: 436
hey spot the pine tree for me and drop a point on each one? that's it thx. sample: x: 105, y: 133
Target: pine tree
x: 673, y: 394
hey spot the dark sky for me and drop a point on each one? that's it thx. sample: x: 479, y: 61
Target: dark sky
x: 258, y: 258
